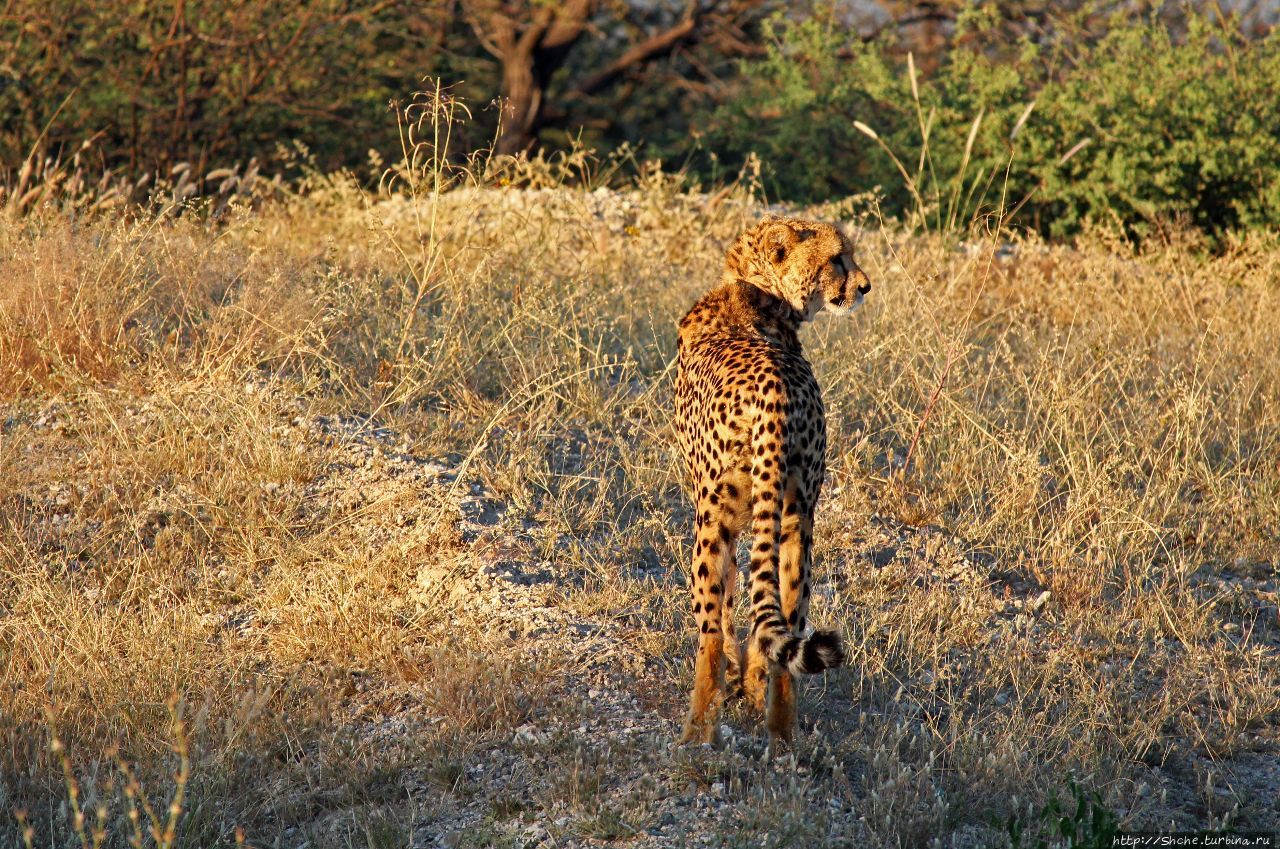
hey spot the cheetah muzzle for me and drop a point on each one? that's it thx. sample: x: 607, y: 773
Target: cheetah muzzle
x: 751, y: 425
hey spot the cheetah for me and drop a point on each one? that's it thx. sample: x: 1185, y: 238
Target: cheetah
x: 751, y: 425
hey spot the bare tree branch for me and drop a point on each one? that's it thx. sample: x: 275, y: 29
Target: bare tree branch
x: 647, y: 50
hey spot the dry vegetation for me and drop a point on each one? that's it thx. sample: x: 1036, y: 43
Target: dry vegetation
x: 241, y: 462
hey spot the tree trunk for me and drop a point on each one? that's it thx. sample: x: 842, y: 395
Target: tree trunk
x: 534, y: 47
x: 530, y: 52
x: 521, y: 105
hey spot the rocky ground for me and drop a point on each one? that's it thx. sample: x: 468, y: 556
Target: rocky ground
x: 595, y: 762
x: 584, y: 755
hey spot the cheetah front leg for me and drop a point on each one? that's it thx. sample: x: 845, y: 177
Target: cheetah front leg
x: 767, y: 475
x: 795, y: 547
x: 733, y: 513
x: 732, y: 651
x: 707, y: 584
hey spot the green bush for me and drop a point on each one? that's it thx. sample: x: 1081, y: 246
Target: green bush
x: 1133, y: 128
x: 799, y: 106
x: 1181, y: 132
x: 145, y: 85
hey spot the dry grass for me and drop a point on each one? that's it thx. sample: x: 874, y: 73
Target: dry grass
x: 1108, y: 431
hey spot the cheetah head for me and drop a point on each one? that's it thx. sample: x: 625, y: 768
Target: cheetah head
x: 808, y: 264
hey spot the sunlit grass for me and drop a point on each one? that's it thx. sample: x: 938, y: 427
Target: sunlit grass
x: 1108, y: 431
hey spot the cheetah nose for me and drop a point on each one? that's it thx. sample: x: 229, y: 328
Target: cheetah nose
x: 860, y: 278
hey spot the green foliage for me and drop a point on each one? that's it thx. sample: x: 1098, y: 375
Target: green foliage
x: 146, y: 85
x: 1134, y: 129
x: 796, y: 110
x: 798, y: 106
x: 1187, y: 132
x: 1083, y: 823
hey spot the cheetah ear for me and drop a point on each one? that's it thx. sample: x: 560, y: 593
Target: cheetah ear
x: 778, y: 241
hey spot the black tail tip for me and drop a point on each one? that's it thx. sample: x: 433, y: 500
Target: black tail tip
x: 822, y: 651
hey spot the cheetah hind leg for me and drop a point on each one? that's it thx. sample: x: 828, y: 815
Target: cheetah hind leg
x: 734, y: 660
x: 734, y: 656
x: 755, y: 677
x: 703, y: 722
x: 780, y: 715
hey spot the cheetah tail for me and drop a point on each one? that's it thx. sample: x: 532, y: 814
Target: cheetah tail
x: 808, y: 655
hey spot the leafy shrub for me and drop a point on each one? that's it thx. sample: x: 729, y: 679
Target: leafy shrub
x: 1181, y: 131
x: 1134, y: 128
x: 1083, y: 823
x: 798, y: 105
x: 147, y: 85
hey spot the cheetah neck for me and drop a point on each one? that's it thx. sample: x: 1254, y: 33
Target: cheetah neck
x: 769, y: 315
x: 740, y: 308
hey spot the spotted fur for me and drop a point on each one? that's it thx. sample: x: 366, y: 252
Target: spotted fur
x: 752, y: 427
